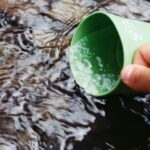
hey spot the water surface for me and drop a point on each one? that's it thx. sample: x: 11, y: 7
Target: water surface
x: 41, y: 106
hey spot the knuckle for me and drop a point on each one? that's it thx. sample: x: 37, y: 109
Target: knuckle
x: 144, y: 48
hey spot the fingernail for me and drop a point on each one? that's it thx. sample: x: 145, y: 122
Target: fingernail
x: 126, y: 73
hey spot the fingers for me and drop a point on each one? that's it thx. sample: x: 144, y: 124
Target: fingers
x: 142, y: 57
x: 137, y: 77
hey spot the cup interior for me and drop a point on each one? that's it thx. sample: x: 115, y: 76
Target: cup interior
x: 96, y: 55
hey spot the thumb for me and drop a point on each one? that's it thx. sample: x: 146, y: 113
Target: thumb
x: 137, y: 77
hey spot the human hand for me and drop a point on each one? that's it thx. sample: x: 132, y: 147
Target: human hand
x: 137, y: 75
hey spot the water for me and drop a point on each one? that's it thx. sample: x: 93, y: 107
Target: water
x: 41, y: 107
x: 94, y: 63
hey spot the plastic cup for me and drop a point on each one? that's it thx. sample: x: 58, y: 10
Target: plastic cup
x: 102, y: 45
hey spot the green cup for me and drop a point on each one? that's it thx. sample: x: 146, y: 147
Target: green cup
x: 102, y: 45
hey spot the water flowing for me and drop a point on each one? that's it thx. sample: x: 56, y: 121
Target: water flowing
x: 41, y: 106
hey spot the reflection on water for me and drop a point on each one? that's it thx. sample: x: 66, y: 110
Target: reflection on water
x: 41, y: 107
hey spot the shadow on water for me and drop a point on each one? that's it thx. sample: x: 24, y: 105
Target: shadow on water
x: 124, y: 126
x: 41, y: 107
